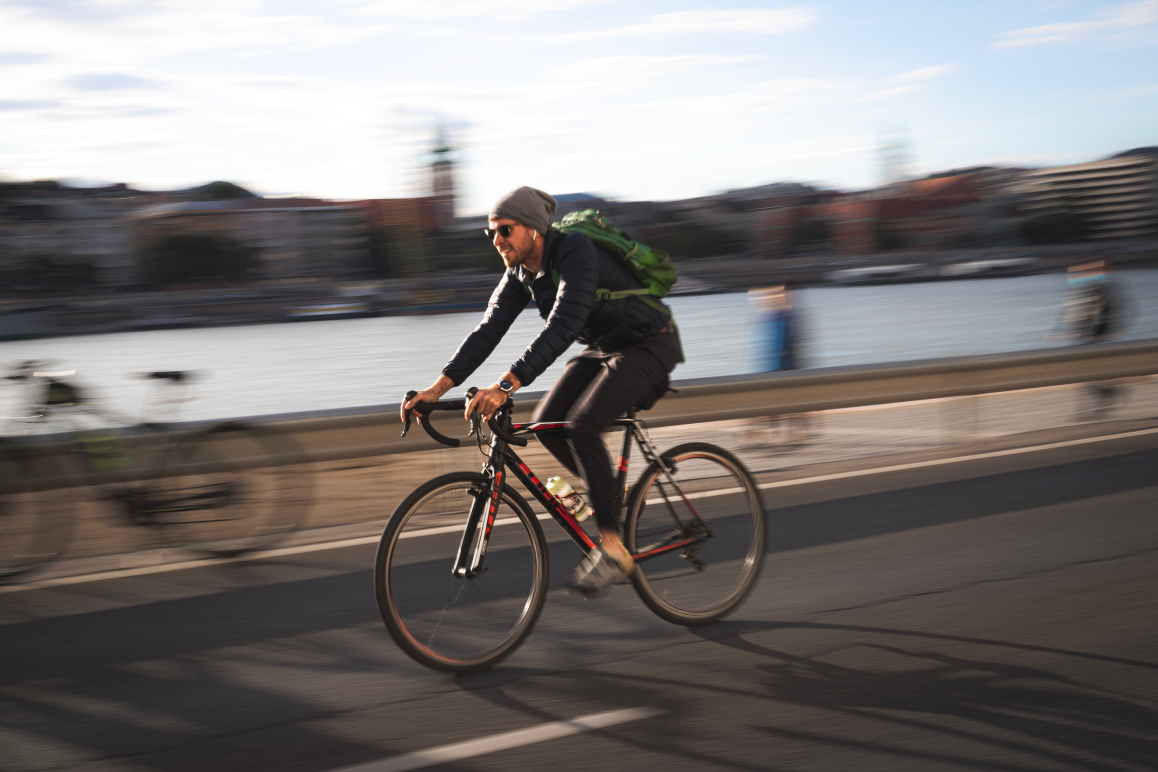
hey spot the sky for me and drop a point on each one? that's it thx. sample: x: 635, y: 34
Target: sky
x: 629, y: 99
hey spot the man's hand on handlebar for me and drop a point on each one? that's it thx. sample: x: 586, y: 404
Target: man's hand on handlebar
x: 431, y: 394
x: 487, y: 401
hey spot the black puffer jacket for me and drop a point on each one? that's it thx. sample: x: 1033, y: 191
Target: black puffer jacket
x: 570, y: 309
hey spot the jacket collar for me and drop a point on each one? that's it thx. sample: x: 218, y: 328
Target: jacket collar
x: 550, y: 243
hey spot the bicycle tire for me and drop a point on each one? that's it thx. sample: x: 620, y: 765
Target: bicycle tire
x: 37, y: 509
x: 230, y: 489
x: 725, y: 496
x: 483, y: 620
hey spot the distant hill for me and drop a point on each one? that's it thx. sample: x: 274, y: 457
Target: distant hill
x: 974, y: 170
x: 220, y: 191
x: 1150, y: 151
x: 573, y: 198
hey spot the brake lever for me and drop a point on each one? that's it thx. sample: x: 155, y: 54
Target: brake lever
x: 475, y: 419
x: 406, y: 413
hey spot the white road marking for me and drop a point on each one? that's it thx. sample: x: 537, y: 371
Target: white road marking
x: 162, y: 568
x: 960, y: 459
x: 333, y: 545
x: 501, y: 742
x: 915, y: 465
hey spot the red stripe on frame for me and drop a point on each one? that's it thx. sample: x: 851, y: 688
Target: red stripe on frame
x: 665, y: 548
x: 538, y: 427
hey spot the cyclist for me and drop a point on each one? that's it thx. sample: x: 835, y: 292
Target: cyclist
x: 630, y: 351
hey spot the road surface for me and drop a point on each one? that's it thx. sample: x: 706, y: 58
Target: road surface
x: 992, y: 613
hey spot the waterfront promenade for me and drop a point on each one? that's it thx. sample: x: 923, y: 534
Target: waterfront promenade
x: 353, y: 497
x: 990, y: 612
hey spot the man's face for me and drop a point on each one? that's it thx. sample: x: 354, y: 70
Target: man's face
x: 516, y: 248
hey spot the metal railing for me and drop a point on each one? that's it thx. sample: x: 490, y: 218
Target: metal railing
x: 375, y: 430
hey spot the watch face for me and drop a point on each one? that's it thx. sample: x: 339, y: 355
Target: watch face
x: 506, y: 385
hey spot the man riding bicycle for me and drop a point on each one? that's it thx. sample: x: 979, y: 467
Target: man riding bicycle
x: 631, y: 349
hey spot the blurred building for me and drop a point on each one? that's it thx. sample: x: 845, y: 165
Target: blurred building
x: 935, y: 213
x: 1117, y: 197
x: 46, y: 242
x: 295, y: 239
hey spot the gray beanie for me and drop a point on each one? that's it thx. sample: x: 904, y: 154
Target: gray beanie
x: 531, y: 207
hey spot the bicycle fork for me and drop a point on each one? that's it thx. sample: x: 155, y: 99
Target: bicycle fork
x: 468, y: 562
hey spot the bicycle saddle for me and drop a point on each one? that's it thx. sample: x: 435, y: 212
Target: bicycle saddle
x: 176, y: 376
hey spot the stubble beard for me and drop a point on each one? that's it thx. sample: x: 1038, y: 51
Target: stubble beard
x: 516, y: 256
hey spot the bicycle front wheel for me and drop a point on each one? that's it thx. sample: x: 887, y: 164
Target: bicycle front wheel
x: 451, y: 623
x: 230, y: 489
x: 712, y: 499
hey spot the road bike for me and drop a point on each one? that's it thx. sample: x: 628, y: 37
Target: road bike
x: 462, y: 567
x: 219, y: 489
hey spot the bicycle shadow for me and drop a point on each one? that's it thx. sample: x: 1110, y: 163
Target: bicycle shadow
x: 1010, y: 708
x: 881, y: 693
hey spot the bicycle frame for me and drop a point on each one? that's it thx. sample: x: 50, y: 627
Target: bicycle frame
x: 472, y: 549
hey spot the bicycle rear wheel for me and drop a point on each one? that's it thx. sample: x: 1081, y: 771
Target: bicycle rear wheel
x: 230, y: 489
x: 711, y: 496
x: 36, y: 509
x: 452, y: 623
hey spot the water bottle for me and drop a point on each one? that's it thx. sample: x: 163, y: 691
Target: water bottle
x: 567, y: 496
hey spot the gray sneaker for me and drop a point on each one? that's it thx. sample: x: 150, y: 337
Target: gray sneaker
x: 597, y: 572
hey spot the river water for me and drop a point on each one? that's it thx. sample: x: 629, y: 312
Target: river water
x: 281, y: 368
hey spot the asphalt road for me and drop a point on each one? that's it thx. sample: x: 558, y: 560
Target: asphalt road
x: 993, y: 614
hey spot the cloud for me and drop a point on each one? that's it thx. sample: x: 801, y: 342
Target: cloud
x: 170, y: 28
x: 926, y: 73
x: 887, y: 93
x: 9, y: 105
x: 618, y: 69
x: 510, y: 10
x: 1123, y: 17
x: 767, y: 21
x: 148, y: 112
x: 17, y: 57
x: 80, y: 10
x: 111, y: 81
x: 914, y: 80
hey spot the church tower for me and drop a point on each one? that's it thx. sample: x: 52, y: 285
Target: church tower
x: 442, y: 181
x: 894, y: 156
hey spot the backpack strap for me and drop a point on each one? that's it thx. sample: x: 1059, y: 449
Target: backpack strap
x: 643, y: 293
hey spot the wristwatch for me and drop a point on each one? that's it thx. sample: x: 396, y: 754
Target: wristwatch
x: 506, y: 386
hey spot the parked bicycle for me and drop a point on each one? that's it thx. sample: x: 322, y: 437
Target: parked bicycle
x: 462, y: 568
x: 221, y: 489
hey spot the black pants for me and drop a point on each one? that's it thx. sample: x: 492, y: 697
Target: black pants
x: 596, y: 388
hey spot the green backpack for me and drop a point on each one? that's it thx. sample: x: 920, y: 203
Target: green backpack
x: 653, y: 267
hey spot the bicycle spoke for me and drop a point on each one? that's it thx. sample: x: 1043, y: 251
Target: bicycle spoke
x: 714, y: 546
x: 450, y: 622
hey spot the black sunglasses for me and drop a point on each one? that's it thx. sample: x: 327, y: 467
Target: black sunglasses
x: 503, y: 230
